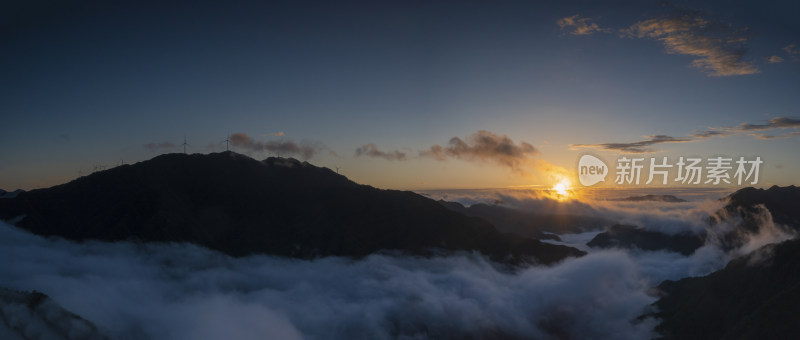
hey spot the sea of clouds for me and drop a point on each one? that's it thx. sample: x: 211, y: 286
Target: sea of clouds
x: 182, y: 291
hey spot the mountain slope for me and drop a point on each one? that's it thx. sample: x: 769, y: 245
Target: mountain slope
x: 746, y: 208
x: 753, y: 297
x: 34, y: 315
x: 756, y: 296
x: 782, y: 203
x: 624, y: 236
x: 240, y: 206
x: 536, y: 225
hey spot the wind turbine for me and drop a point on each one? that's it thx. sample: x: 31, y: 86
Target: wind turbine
x: 337, y: 169
x: 227, y: 139
x: 184, y: 145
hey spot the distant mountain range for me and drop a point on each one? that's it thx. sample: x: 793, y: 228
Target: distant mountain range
x: 531, y: 224
x: 624, y: 236
x: 745, y: 207
x: 240, y: 206
x: 781, y: 202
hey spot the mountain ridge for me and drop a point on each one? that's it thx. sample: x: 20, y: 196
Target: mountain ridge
x: 755, y: 296
x: 241, y: 206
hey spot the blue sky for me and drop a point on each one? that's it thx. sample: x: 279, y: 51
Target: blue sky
x: 90, y: 83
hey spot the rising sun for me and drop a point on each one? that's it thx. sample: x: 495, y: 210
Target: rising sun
x: 562, y: 188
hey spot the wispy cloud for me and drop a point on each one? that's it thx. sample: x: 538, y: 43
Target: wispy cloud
x: 153, y: 147
x: 719, y: 49
x: 710, y: 133
x: 370, y: 150
x: 782, y: 135
x: 774, y: 123
x: 640, y: 146
x: 576, y: 25
x: 480, y: 147
x: 793, y: 51
x: 755, y: 130
x: 774, y: 59
x: 484, y: 146
x: 304, y: 150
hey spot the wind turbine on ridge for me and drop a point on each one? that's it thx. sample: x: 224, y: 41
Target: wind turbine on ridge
x: 184, y: 145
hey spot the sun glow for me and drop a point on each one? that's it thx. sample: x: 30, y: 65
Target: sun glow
x: 562, y: 189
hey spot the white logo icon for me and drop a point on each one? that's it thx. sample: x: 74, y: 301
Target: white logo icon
x: 591, y: 170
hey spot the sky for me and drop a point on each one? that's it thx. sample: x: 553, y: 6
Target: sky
x: 399, y: 94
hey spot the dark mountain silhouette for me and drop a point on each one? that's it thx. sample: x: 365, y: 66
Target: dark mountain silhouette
x: 651, y: 198
x: 624, y: 236
x: 750, y: 208
x: 540, y: 226
x: 754, y: 296
x: 10, y: 194
x: 33, y: 315
x: 238, y: 205
x: 782, y: 203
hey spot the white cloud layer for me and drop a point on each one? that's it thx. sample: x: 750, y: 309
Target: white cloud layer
x: 182, y: 291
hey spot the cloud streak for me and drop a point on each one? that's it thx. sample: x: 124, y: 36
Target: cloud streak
x: 774, y: 123
x: 640, y: 146
x: 793, y: 51
x: 304, y: 150
x: 644, y: 146
x: 370, y: 150
x: 576, y: 25
x: 154, y: 147
x: 764, y: 136
x: 485, y: 146
x: 719, y: 50
x: 481, y: 147
x: 774, y: 59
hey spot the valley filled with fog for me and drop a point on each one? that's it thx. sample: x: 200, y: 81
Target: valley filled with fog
x: 179, y: 290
